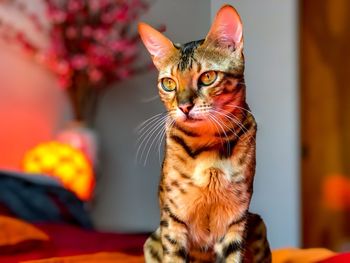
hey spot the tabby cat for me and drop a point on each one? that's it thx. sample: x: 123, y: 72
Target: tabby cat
x: 207, y: 174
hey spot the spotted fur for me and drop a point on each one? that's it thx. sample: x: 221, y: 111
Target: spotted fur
x: 208, y: 170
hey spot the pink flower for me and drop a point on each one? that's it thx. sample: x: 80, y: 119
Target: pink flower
x: 104, y: 3
x: 71, y: 32
x: 62, y: 68
x: 79, y: 62
x: 64, y: 82
x: 88, y: 38
x: 57, y: 16
x: 119, y: 45
x: 107, y: 18
x: 87, y: 31
x: 99, y: 34
x: 122, y: 15
x: 74, y: 5
x: 95, y: 75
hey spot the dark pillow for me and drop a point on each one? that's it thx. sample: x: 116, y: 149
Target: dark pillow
x: 41, y: 201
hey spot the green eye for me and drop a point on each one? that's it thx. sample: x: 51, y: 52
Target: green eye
x: 168, y: 84
x: 208, y: 78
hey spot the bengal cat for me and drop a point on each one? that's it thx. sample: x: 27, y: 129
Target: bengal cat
x: 207, y: 174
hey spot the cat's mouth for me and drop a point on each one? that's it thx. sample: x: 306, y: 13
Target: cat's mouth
x: 189, y: 118
x: 192, y: 119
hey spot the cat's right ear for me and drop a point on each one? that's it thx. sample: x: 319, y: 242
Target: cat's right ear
x: 227, y: 28
x: 158, y: 45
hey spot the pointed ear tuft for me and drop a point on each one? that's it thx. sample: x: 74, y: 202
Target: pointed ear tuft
x: 158, y: 45
x: 227, y: 28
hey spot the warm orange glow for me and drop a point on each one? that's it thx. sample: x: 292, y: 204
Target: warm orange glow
x: 64, y: 162
x: 336, y: 192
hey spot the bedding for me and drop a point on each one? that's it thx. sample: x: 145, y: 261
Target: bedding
x: 291, y: 255
x: 69, y: 240
x: 340, y: 258
x: 294, y: 255
x: 93, y: 258
x: 37, y: 198
x: 57, y: 222
x: 52, y: 226
x: 17, y: 235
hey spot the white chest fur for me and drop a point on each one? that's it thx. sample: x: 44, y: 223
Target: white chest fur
x: 203, y: 164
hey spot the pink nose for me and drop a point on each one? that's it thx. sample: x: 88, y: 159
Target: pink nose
x: 186, y: 108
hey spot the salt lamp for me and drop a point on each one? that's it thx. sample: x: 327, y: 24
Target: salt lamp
x: 64, y: 162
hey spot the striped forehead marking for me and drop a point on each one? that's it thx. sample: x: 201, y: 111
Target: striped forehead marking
x: 186, y: 54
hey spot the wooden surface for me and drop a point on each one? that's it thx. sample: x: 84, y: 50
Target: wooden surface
x: 325, y: 116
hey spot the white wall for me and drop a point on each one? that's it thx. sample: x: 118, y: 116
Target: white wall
x: 270, y: 31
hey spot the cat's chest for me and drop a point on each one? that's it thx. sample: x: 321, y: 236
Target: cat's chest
x: 209, y: 168
x: 207, y: 172
x: 208, y: 199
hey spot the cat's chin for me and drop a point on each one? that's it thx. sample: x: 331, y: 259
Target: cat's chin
x: 191, y: 119
x: 192, y: 122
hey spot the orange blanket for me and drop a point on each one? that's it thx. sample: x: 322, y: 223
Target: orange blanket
x: 294, y: 255
x: 290, y: 255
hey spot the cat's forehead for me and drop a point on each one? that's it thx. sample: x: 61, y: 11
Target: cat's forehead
x: 198, y: 56
x: 183, y: 60
x: 187, y: 54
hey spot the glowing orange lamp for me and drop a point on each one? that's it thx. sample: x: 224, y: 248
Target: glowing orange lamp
x: 64, y: 162
x: 336, y: 192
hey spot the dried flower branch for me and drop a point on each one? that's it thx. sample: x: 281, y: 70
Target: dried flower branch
x: 91, y: 43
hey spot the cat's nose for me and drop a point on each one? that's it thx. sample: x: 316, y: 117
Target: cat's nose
x: 186, y: 107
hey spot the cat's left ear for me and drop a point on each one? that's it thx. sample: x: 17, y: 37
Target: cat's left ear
x: 158, y: 45
x: 227, y: 28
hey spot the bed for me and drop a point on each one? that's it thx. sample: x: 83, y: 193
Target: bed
x: 40, y: 221
x: 66, y: 240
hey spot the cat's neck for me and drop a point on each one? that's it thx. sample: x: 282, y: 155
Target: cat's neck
x: 207, y: 136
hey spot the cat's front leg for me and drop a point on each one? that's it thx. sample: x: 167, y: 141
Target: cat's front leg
x: 152, y: 248
x: 174, y: 237
x: 231, y: 247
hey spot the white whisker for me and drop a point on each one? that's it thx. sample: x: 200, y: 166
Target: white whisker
x: 146, y: 136
x: 216, y: 127
x: 233, y: 118
x: 162, y: 127
x: 218, y: 122
x: 149, y: 137
x: 151, y: 126
x: 150, y: 99
x: 232, y: 129
x: 239, y: 107
x: 167, y: 127
x: 236, y: 121
x: 145, y: 123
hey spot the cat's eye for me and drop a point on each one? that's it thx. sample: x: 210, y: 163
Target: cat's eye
x: 168, y: 84
x: 208, y: 78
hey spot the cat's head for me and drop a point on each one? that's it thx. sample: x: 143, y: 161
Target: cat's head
x: 201, y: 82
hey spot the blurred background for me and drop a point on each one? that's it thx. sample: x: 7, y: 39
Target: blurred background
x: 68, y: 101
